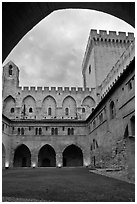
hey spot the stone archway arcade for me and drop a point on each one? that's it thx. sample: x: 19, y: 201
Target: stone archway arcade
x: 70, y: 156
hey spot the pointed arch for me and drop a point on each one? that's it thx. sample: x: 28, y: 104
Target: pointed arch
x: 72, y: 156
x: 47, y: 156
x: 22, y: 156
x: 9, y: 105
x: 29, y: 106
x: 49, y: 106
x: 69, y: 107
x: 88, y: 102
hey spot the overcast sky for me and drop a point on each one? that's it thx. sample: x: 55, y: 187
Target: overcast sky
x: 51, y: 54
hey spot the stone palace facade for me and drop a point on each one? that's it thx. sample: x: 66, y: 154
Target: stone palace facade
x: 93, y: 125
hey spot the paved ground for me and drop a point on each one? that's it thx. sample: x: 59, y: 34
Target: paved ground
x: 65, y: 184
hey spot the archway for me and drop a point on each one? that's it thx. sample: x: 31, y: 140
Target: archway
x: 47, y: 157
x: 3, y: 155
x: 28, y: 14
x: 72, y: 156
x: 22, y: 157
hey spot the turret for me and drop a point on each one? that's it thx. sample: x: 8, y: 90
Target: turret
x: 10, y: 79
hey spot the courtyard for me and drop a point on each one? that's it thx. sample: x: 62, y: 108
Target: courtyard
x: 64, y: 185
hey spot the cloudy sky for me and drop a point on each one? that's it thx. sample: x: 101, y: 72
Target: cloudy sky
x: 51, y: 54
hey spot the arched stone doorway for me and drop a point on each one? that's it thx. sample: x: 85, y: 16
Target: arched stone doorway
x: 47, y: 157
x: 31, y: 13
x: 72, y: 156
x: 3, y: 155
x: 22, y: 157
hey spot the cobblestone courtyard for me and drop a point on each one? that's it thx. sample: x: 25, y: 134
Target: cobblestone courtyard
x: 63, y: 185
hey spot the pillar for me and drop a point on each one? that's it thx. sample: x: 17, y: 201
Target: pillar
x: 59, y: 160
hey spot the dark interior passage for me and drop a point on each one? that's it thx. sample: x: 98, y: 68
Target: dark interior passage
x: 72, y: 156
x: 22, y: 157
x: 47, y: 157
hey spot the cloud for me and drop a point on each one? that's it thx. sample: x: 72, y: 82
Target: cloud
x: 51, y: 53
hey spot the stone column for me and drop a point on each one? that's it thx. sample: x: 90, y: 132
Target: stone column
x: 34, y: 159
x: 59, y: 159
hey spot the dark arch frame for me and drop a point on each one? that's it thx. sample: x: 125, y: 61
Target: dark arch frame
x: 28, y: 14
x: 22, y: 156
x: 72, y: 156
x: 46, y: 156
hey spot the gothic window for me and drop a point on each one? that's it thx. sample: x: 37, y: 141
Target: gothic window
x: 56, y: 131
x: 72, y: 131
x: 10, y: 69
x: 49, y: 111
x: 66, y: 111
x: 83, y: 110
x: 89, y: 69
x: 40, y: 131
x: 30, y: 110
x: 68, y: 131
x: 18, y: 131
x: 36, y: 131
x: 112, y: 110
x: 130, y: 85
x: 12, y: 110
x: 101, y: 118
x: 22, y: 131
x: 52, y: 131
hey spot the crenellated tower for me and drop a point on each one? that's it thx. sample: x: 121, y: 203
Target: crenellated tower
x: 102, y: 53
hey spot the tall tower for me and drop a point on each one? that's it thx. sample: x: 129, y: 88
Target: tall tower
x: 102, y: 52
x: 10, y: 79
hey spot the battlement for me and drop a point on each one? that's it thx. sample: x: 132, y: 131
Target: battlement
x: 111, y: 35
x: 118, y: 69
x: 55, y: 89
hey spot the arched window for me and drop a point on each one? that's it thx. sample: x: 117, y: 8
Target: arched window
x: 130, y: 85
x: 36, y: 131
x: 112, y: 110
x: 66, y: 111
x: 10, y: 69
x: 18, y: 131
x: 94, y: 144
x: 68, y: 131
x: 101, y: 118
x: 49, y: 111
x: 72, y: 131
x: 3, y: 127
x: 89, y: 69
x: 22, y: 131
x: 30, y: 110
x: 52, y: 131
x: 40, y: 131
x: 56, y: 131
x: 83, y: 110
x: 12, y: 110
